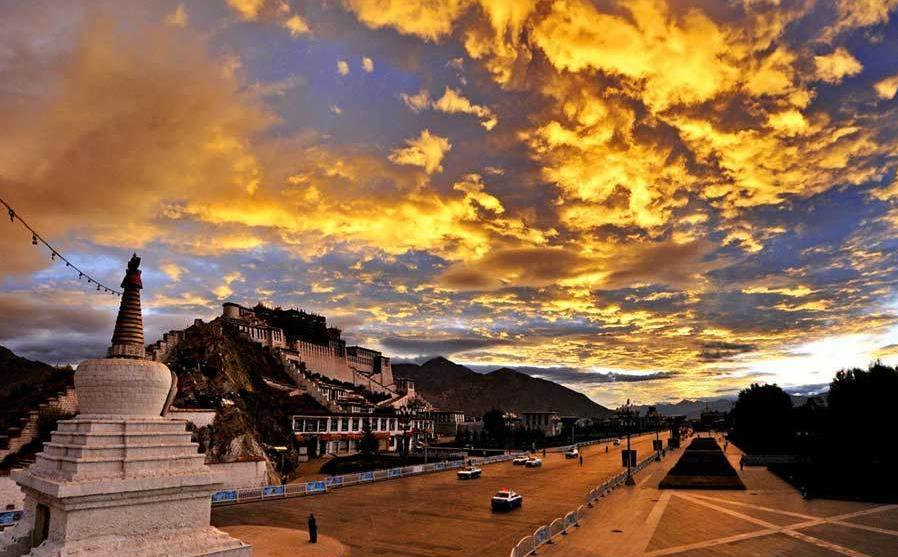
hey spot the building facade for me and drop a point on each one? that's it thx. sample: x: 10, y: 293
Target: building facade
x: 326, y: 354
x: 548, y: 422
x: 446, y: 422
x: 340, y: 433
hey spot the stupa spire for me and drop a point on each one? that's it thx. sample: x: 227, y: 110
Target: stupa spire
x: 127, y: 340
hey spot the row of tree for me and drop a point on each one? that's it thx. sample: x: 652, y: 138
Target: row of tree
x: 844, y: 439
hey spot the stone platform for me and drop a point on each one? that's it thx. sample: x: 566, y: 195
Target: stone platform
x: 107, y: 485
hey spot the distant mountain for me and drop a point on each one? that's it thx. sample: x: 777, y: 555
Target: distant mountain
x: 450, y: 386
x: 694, y: 408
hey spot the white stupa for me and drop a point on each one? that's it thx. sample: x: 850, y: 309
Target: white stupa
x: 120, y: 479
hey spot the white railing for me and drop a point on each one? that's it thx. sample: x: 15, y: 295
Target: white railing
x: 245, y: 495
x: 562, y: 525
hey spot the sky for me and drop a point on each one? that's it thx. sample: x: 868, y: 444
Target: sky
x: 648, y: 200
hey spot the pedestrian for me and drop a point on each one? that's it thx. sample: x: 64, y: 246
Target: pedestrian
x: 544, y: 452
x: 313, y: 529
x: 581, y: 460
x: 741, y: 463
x: 606, y: 448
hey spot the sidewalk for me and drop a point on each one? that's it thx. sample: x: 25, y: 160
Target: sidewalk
x: 768, y: 518
x: 270, y: 541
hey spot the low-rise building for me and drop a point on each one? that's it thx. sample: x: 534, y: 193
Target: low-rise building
x: 340, y: 433
x: 446, y: 422
x: 548, y: 422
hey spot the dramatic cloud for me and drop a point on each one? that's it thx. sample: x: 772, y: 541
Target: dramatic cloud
x: 681, y: 198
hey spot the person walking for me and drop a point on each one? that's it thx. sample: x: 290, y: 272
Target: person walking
x: 313, y: 529
x: 581, y: 460
x: 741, y: 463
x: 544, y: 452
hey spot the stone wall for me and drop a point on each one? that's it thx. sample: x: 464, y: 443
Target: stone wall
x: 159, y: 350
x: 251, y: 473
x: 198, y: 417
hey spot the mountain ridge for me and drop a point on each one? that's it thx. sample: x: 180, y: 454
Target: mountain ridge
x: 451, y: 386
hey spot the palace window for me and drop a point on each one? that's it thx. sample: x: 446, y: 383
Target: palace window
x: 355, y: 424
x: 334, y: 422
x: 344, y: 424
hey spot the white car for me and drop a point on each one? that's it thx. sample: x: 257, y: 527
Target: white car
x: 533, y: 462
x: 572, y: 453
x: 616, y: 442
x: 469, y: 473
x: 520, y: 461
x: 505, y: 500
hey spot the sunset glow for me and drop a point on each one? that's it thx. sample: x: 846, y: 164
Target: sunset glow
x: 648, y: 200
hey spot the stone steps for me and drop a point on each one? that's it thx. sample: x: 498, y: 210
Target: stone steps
x: 27, y: 431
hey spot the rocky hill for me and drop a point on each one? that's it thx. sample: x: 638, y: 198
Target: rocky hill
x: 245, y: 383
x: 450, y: 386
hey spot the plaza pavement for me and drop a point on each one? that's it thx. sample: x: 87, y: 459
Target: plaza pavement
x: 434, y: 514
x: 769, y: 518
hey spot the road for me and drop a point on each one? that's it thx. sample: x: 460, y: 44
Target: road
x: 437, y: 514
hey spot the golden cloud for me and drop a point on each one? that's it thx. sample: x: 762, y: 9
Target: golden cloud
x: 179, y: 17
x: 833, y: 67
x: 451, y: 102
x: 887, y: 88
x: 131, y: 124
x: 427, y: 151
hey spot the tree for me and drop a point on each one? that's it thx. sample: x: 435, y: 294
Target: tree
x: 861, y: 407
x: 368, y: 442
x: 494, y: 426
x: 762, y: 419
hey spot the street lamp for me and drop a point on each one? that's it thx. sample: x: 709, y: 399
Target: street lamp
x: 405, y: 416
x: 626, y: 413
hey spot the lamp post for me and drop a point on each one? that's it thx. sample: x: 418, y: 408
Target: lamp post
x: 626, y: 413
x: 405, y: 416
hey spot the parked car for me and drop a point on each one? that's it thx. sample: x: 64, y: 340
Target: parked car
x: 520, y: 461
x: 469, y: 473
x: 533, y: 462
x: 571, y: 453
x: 616, y: 442
x: 506, y: 500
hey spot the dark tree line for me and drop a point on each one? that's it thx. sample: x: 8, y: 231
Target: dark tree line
x: 845, y: 445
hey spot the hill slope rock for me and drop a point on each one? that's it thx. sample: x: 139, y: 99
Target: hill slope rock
x: 450, y: 386
x: 253, y: 396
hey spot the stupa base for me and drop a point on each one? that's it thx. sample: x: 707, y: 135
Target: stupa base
x: 188, y: 542
x: 126, y: 486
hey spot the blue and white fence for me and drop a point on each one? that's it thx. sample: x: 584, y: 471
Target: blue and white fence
x: 246, y: 495
x: 9, y: 518
x: 562, y: 525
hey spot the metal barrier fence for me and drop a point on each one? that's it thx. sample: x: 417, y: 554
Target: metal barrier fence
x: 245, y: 495
x: 9, y: 518
x: 561, y: 525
